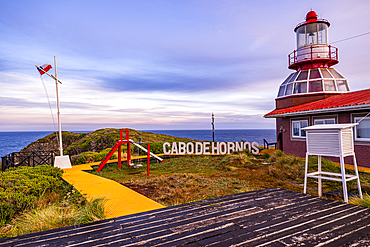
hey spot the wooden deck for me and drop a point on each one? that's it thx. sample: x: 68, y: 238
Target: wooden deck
x: 270, y: 217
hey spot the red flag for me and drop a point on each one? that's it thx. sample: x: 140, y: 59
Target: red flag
x: 46, y: 67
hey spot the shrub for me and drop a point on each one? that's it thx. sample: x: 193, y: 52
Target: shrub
x: 89, y: 157
x: 156, y: 147
x: 12, y: 203
x: 21, y: 187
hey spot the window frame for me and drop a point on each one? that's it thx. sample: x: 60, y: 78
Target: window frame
x: 300, y: 128
x: 355, y: 129
x: 323, y: 119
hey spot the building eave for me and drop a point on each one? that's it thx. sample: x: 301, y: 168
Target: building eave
x: 321, y: 111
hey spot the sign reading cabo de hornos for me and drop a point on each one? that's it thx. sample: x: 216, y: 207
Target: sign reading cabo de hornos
x: 208, y: 147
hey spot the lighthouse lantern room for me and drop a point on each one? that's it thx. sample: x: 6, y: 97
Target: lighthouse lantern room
x: 312, y: 61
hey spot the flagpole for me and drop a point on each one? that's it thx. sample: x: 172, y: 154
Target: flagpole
x: 59, y: 123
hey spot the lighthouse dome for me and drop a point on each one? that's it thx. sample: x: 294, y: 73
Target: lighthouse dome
x: 313, y: 81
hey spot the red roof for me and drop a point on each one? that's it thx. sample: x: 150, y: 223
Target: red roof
x: 343, y: 102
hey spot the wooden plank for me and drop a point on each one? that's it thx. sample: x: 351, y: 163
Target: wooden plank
x: 348, y: 233
x: 256, y: 229
x: 197, y: 229
x: 271, y: 217
x: 198, y: 219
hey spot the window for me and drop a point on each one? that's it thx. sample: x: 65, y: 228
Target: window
x: 281, y: 91
x: 315, y: 86
x: 300, y: 88
x: 314, y: 74
x: 329, y: 85
x: 342, y: 85
x: 289, y: 89
x: 325, y: 73
x: 362, y: 130
x: 297, y: 128
x: 302, y: 75
x: 324, y: 121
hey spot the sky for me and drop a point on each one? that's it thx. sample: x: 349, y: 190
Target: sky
x: 161, y: 65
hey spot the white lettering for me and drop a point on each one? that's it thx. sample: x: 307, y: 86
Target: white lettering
x: 164, y: 148
x: 198, y: 148
x: 182, y: 147
x: 206, y: 147
x: 174, y: 148
x: 223, y: 148
x: 217, y: 148
x: 188, y: 145
x: 238, y: 146
x: 255, y: 148
x: 230, y: 147
x: 249, y: 146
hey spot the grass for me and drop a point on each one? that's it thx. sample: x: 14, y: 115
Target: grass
x: 54, y: 216
x: 181, y: 180
x: 37, y: 199
x: 365, y: 202
x: 191, y: 178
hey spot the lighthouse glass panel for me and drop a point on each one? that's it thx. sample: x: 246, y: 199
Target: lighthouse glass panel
x: 311, y: 33
x: 335, y: 73
x: 323, y: 37
x: 301, y: 36
x: 342, y: 85
x: 302, y: 75
x: 313, y: 81
x: 325, y: 73
x: 289, y: 89
x: 329, y: 85
x: 315, y: 86
x: 300, y: 88
x: 292, y: 79
x: 288, y: 79
x: 281, y: 91
x: 314, y: 74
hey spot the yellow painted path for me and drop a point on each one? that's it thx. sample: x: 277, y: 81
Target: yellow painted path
x: 120, y: 199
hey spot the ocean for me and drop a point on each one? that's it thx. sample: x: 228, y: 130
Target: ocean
x: 16, y: 141
x: 224, y: 135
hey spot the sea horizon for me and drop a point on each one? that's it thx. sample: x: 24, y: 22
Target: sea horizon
x: 14, y: 141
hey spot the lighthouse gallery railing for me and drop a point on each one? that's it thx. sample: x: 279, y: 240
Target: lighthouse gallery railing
x: 313, y: 52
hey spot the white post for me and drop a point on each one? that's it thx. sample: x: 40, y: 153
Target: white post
x: 358, y: 176
x: 305, y: 175
x: 59, y: 123
x: 60, y: 161
x: 344, y: 182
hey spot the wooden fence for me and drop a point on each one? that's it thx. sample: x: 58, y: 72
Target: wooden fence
x: 32, y: 158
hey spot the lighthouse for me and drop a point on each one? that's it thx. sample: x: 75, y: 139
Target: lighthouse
x: 315, y: 93
x: 314, y: 78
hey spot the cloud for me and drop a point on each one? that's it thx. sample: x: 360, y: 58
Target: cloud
x: 20, y: 103
x: 162, y: 63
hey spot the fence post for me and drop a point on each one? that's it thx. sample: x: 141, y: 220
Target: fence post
x: 29, y: 160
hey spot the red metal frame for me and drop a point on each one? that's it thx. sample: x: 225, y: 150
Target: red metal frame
x: 148, y: 160
x: 311, y: 62
x: 118, y: 146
